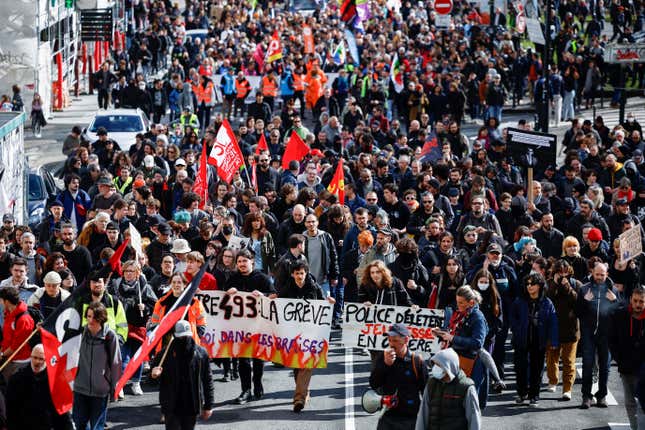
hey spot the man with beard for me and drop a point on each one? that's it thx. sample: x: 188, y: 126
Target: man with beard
x: 361, y: 224
x: 249, y: 280
x: 79, y: 259
x: 586, y: 215
x: 292, y: 225
x: 549, y: 239
x: 479, y: 218
x: 427, y: 209
x: 29, y: 401
x: 383, y: 249
x: 97, y: 293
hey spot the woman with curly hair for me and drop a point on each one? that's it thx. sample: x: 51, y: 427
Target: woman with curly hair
x: 260, y: 241
x: 378, y: 286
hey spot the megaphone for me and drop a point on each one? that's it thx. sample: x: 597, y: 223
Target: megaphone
x: 373, y: 402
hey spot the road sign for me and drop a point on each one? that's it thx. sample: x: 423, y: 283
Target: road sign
x: 442, y: 21
x: 443, y: 7
x: 632, y: 53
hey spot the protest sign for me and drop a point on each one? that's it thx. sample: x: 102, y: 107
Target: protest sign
x: 294, y: 333
x: 366, y: 326
x: 631, y: 244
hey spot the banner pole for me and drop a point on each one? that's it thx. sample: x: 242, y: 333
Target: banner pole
x: 18, y: 349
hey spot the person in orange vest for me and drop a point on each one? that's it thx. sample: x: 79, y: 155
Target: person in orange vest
x: 205, y: 94
x: 269, y: 88
x: 299, y: 88
x: 242, y: 88
x: 314, y: 84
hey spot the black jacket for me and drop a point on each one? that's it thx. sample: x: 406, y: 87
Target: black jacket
x: 186, y: 386
x: 627, y: 342
x: 282, y: 269
x: 310, y: 291
x: 550, y: 243
x: 393, y: 296
x: 256, y: 280
x: 29, y: 403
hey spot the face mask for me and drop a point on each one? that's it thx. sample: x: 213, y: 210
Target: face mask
x: 437, y: 372
x: 482, y: 286
x: 533, y: 272
x: 630, y: 119
x: 227, y: 230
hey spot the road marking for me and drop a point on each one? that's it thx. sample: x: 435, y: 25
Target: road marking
x: 350, y: 423
x: 611, y: 400
x: 619, y: 426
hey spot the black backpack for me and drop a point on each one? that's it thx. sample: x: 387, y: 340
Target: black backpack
x: 34, y: 313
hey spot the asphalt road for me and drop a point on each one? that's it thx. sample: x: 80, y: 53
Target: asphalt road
x: 335, y: 403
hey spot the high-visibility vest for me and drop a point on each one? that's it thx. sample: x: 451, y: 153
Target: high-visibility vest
x: 204, y: 94
x: 269, y: 88
x: 242, y: 87
x: 298, y: 82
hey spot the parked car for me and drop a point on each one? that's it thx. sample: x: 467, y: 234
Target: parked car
x: 42, y: 189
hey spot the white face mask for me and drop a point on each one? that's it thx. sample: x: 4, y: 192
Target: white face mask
x: 437, y: 372
x: 482, y: 286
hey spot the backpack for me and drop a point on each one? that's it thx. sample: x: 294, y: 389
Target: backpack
x: 34, y: 313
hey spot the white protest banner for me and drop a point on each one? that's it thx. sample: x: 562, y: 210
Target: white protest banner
x: 238, y: 242
x: 135, y: 240
x: 631, y: 243
x: 366, y: 326
x: 291, y: 332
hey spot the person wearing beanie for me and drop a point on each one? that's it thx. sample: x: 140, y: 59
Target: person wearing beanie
x: 46, y: 299
x: 595, y: 246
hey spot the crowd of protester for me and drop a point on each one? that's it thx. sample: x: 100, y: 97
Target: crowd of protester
x: 412, y: 230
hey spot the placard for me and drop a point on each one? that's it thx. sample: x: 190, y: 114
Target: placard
x: 631, y: 243
x: 291, y: 332
x: 366, y: 326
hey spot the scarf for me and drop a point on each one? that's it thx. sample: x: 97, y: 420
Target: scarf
x: 457, y: 320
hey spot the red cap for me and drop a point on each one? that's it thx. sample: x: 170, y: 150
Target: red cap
x: 594, y: 235
x: 317, y: 153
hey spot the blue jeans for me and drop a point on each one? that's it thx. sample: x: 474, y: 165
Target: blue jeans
x: 480, y: 378
x: 92, y: 410
x: 592, y: 345
x: 338, y: 294
x: 128, y: 349
x: 495, y: 112
x: 567, y: 105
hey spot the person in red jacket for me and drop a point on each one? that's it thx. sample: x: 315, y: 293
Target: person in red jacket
x: 18, y: 325
x: 194, y: 262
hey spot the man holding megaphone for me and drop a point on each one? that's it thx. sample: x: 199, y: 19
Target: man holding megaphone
x: 399, y: 378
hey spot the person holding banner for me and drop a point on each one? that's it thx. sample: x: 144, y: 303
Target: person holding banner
x: 302, y: 285
x: 186, y: 387
x: 249, y: 280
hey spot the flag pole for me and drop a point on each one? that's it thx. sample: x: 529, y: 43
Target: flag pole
x: 33, y: 333
x: 165, y: 353
x: 247, y: 176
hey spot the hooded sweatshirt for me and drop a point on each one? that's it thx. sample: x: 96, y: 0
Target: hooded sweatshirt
x: 99, y: 363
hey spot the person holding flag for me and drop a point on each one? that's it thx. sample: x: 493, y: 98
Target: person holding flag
x: 99, y: 368
x: 185, y: 383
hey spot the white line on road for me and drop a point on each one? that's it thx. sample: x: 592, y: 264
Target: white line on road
x: 611, y: 400
x: 619, y: 426
x: 350, y: 423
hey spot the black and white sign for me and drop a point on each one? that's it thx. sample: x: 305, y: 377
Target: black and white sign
x: 544, y: 146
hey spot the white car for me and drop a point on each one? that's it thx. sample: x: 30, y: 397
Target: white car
x: 122, y: 125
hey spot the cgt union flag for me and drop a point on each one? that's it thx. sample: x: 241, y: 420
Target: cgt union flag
x: 176, y: 312
x: 61, y: 338
x: 274, y: 52
x: 226, y: 154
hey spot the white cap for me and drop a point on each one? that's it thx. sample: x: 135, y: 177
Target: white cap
x: 149, y: 161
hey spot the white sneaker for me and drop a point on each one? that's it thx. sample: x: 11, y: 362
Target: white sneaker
x: 136, y: 389
x: 566, y: 395
x: 121, y: 394
x: 551, y: 388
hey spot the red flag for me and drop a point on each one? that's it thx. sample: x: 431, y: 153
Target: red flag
x: 167, y: 324
x: 61, y: 334
x: 254, y: 176
x: 274, y: 51
x: 200, y: 187
x: 262, y: 145
x: 226, y: 154
x: 296, y: 149
x: 348, y: 11
x: 115, y: 260
x: 337, y: 184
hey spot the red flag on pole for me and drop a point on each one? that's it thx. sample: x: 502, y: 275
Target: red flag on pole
x: 337, y: 184
x: 262, y: 145
x: 296, y: 149
x: 226, y: 154
x: 115, y: 260
x: 167, y: 324
x: 60, y: 335
x: 274, y: 51
x: 200, y: 187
